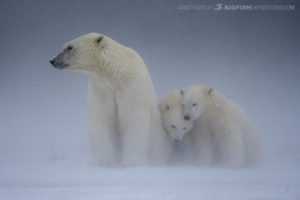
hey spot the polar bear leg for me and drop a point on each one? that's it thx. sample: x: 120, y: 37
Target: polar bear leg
x: 103, y: 133
x: 103, y: 146
x: 188, y: 150
x: 161, y: 146
x: 204, y: 152
x: 231, y: 147
x: 202, y: 144
x: 254, y: 151
x: 134, y: 123
x: 135, y: 141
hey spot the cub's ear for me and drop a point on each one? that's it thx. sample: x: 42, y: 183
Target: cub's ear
x: 99, y: 39
x: 181, y: 92
x: 210, y: 90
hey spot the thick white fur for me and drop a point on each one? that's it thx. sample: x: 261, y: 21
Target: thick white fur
x: 171, y: 109
x: 123, y: 117
x: 222, y: 131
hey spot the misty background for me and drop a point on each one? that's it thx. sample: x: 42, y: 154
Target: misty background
x: 252, y: 57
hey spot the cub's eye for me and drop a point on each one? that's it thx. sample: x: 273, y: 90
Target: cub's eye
x: 69, y: 48
x: 99, y: 39
x: 194, y: 104
x: 184, y: 128
x: 173, y: 126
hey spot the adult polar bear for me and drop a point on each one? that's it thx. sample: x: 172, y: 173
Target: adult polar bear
x: 124, y: 120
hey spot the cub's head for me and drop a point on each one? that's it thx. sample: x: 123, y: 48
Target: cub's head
x: 195, y: 100
x: 171, y: 110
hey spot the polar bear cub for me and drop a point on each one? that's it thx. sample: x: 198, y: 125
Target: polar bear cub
x: 171, y: 109
x: 229, y: 137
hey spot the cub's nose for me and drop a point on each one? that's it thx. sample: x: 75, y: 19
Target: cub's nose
x: 52, y: 62
x: 177, y: 141
x: 186, y: 117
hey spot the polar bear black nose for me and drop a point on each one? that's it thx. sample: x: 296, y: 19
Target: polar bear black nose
x: 186, y: 117
x: 177, y: 141
x: 52, y: 62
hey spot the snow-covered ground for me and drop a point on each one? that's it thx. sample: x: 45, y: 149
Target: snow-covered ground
x: 39, y: 176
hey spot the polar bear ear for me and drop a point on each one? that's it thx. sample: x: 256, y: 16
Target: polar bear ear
x: 210, y: 90
x: 99, y: 39
x: 181, y: 92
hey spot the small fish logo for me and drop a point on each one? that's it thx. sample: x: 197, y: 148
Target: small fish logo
x: 219, y: 6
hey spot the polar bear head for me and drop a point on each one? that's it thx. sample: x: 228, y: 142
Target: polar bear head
x: 96, y: 53
x: 195, y: 98
x: 171, y: 110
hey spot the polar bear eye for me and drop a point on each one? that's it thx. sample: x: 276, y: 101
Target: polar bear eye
x: 173, y: 126
x: 99, y: 39
x: 194, y: 104
x: 184, y: 128
x: 69, y: 48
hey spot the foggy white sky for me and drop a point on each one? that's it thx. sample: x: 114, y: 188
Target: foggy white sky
x: 251, y: 57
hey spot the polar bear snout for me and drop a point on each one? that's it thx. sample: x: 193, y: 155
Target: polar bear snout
x: 58, y: 62
x: 177, y: 141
